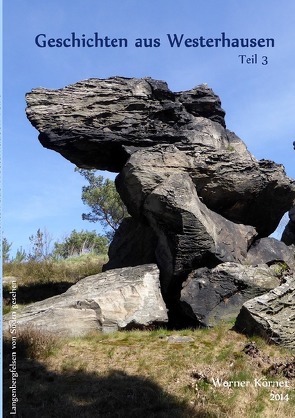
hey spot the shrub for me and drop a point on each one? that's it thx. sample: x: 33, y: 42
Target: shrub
x: 34, y: 344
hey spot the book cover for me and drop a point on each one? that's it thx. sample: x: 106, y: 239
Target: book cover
x: 147, y: 165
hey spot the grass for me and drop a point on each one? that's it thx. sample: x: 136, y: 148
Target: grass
x: 142, y: 374
x: 40, y: 280
x: 35, y: 345
x: 133, y: 373
x: 70, y: 270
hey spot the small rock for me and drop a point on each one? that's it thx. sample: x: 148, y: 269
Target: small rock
x: 179, y: 339
x: 286, y: 369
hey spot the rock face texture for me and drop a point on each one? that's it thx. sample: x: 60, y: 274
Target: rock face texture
x: 133, y: 244
x: 270, y: 251
x: 117, y: 299
x: 95, y: 123
x: 201, y: 204
x: 271, y: 315
x: 211, y: 295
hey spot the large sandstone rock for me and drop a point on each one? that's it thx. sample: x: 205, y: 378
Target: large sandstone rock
x: 189, y: 234
x: 271, y: 315
x: 212, y: 295
x: 96, y: 122
x: 99, y: 123
x: 118, y: 299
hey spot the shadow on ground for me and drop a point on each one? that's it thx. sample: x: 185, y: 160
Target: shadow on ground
x: 36, y: 292
x: 46, y: 394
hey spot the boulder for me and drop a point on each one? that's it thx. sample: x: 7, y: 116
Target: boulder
x: 269, y: 251
x: 271, y: 315
x: 118, y: 299
x: 213, y: 295
x: 100, y: 123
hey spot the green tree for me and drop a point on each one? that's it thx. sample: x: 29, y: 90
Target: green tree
x: 104, y: 201
x: 20, y: 256
x: 6, y: 247
x: 78, y: 243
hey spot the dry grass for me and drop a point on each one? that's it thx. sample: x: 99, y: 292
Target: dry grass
x: 35, y: 345
x: 136, y: 373
x: 70, y: 270
x: 142, y: 374
x: 40, y: 280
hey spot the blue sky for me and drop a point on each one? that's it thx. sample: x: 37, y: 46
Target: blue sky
x: 40, y: 188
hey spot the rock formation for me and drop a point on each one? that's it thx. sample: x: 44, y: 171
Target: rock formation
x: 271, y: 315
x: 198, y: 199
x: 101, y: 123
x: 118, y: 299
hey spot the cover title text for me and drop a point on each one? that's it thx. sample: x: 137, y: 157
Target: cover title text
x: 95, y: 40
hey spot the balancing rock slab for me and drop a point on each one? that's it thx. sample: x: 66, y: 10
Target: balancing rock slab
x: 100, y: 123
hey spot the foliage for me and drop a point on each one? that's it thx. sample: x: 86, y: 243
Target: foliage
x: 75, y: 244
x: 104, y: 201
x: 34, y: 344
x: 20, y: 256
x: 40, y: 245
x: 38, y: 280
x: 78, y: 243
x: 6, y: 247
